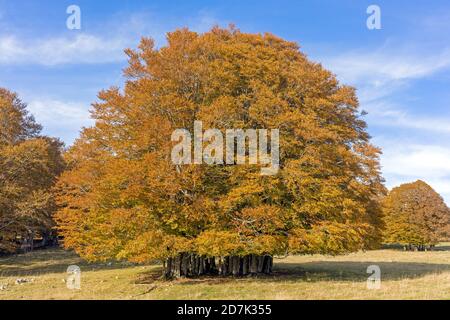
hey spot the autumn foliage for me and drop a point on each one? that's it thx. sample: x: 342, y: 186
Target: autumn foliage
x: 29, y: 166
x: 123, y: 198
x: 415, y: 215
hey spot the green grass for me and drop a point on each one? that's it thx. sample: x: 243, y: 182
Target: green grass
x: 405, y: 275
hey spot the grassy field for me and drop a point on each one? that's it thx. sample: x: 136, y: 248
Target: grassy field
x: 404, y: 275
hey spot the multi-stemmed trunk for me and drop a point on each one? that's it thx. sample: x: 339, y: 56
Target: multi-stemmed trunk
x: 246, y: 265
x: 192, y: 265
x: 420, y: 247
x: 186, y: 264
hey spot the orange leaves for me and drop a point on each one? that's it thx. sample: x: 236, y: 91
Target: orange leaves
x: 29, y: 166
x: 153, y: 245
x: 218, y: 243
x: 16, y: 124
x: 415, y: 214
x: 328, y: 238
x: 255, y: 221
x: 323, y: 199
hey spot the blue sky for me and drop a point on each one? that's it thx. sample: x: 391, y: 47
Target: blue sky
x: 401, y: 72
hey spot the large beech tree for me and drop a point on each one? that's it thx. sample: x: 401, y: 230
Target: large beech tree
x: 123, y: 197
x: 415, y: 216
x: 29, y: 165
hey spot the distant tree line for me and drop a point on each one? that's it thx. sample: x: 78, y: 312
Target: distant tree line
x: 29, y: 166
x: 415, y: 217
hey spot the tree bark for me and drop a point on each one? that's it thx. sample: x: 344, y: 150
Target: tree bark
x: 245, y: 265
x: 192, y: 265
x: 419, y: 247
x: 253, y: 264
x: 187, y: 265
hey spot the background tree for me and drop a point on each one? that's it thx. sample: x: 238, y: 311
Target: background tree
x: 29, y: 164
x: 415, y: 216
x: 123, y: 198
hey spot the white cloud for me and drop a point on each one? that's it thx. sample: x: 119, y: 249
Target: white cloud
x: 61, y: 119
x: 402, y: 162
x: 387, y: 64
x: 59, y: 112
x: 380, y: 73
x: 388, y: 114
x: 82, y: 48
x: 102, y: 47
x: 424, y: 160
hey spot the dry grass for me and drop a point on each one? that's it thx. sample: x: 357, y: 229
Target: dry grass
x: 405, y: 275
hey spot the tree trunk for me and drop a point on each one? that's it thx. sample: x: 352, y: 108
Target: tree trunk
x: 245, y: 265
x: 253, y: 264
x: 44, y: 240
x: 187, y: 265
x: 192, y: 265
x: 419, y: 247
x: 236, y: 265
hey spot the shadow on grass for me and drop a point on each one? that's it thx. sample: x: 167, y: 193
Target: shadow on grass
x: 442, y: 248
x: 330, y: 271
x: 445, y: 246
x: 356, y: 271
x: 57, y: 260
x: 48, y: 261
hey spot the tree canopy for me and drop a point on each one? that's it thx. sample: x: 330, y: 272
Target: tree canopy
x: 29, y: 166
x: 416, y: 215
x: 123, y: 198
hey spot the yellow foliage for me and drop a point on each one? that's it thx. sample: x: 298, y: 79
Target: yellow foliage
x: 122, y: 189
